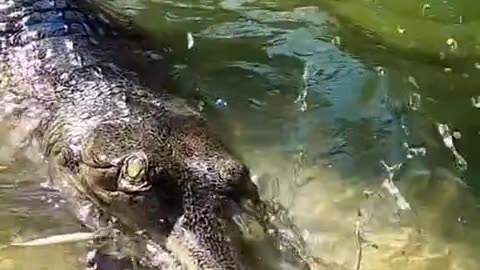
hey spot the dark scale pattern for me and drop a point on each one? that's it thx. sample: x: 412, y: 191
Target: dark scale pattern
x: 59, y: 71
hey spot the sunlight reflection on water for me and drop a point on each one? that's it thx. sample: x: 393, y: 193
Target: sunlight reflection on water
x: 314, y: 117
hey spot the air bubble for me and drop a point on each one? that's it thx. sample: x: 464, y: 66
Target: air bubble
x: 221, y: 103
x: 452, y: 43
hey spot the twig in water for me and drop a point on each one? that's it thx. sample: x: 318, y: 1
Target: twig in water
x: 358, y: 243
x: 64, y: 238
x: 57, y: 239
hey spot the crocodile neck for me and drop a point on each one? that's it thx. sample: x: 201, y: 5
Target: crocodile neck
x: 59, y: 67
x: 59, y: 73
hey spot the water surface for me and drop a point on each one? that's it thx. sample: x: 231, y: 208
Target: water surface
x: 323, y: 105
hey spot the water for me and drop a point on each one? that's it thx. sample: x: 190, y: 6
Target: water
x: 327, y: 104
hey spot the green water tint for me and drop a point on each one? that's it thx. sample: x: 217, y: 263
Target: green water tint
x: 314, y: 106
x: 437, y: 29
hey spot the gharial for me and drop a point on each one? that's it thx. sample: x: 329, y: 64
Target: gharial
x: 119, y: 151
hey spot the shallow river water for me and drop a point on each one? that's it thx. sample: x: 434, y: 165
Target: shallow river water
x: 333, y: 105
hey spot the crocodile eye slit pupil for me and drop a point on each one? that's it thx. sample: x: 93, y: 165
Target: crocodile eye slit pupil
x: 134, y: 168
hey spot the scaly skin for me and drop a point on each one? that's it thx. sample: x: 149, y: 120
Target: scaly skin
x: 112, y: 145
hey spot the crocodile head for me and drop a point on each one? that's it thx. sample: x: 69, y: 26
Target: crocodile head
x: 168, y: 178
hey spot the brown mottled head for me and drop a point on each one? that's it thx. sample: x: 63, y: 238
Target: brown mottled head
x: 170, y: 178
x: 180, y: 151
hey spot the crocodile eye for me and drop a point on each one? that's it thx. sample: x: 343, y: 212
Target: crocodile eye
x: 133, y: 177
x: 134, y: 167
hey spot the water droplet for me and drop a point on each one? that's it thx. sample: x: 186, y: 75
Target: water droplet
x: 444, y: 132
x: 416, y: 151
x: 460, y: 162
x: 402, y: 203
x: 269, y: 185
x: 452, y: 43
x: 425, y: 7
x: 380, y: 70
x: 302, y: 95
x: 414, y: 102
x: 254, y: 178
x: 298, y: 166
x: 190, y: 41
x: 152, y: 55
x: 412, y: 81
x: 45, y: 185
x: 336, y: 40
x: 461, y: 220
x: 476, y: 102
x: 391, y: 169
x: 201, y: 106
